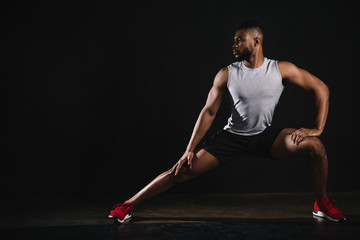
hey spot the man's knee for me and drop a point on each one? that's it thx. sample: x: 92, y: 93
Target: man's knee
x: 285, y: 146
x: 313, y: 147
x: 183, y: 175
x: 309, y: 145
x: 316, y: 147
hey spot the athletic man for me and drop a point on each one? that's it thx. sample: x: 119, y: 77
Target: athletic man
x: 255, y: 84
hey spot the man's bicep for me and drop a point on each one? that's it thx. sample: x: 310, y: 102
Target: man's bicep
x: 217, y: 91
x: 214, y: 99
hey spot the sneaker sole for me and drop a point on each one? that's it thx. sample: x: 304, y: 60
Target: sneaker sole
x: 323, y: 215
x: 128, y: 216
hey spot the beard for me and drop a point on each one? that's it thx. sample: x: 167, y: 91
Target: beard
x: 244, y: 55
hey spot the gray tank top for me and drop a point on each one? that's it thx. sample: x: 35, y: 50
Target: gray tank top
x: 254, y: 93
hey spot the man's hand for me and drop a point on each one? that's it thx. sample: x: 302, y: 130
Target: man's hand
x: 187, y: 157
x: 299, y: 135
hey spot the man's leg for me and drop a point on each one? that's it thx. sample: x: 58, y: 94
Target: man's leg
x: 311, y: 148
x: 202, y: 162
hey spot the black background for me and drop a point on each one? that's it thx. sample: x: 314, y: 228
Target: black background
x: 98, y: 98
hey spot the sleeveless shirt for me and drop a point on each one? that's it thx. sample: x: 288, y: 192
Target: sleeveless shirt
x: 254, y: 94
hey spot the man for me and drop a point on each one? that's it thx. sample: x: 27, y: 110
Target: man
x: 255, y: 84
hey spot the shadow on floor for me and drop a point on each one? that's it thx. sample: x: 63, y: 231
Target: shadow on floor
x: 245, y: 216
x: 193, y: 228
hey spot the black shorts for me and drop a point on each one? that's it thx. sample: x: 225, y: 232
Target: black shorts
x: 228, y: 147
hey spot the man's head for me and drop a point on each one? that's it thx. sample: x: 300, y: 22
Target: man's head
x: 248, y: 38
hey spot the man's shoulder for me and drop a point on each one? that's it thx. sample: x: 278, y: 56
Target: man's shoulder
x: 221, y: 77
x: 285, y: 64
x: 286, y: 68
x: 223, y: 72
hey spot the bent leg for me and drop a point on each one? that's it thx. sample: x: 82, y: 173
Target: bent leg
x: 202, y: 162
x: 311, y: 148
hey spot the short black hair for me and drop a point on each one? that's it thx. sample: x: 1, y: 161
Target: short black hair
x: 252, y: 24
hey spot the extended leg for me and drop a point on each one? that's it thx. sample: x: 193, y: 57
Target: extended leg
x: 202, y: 162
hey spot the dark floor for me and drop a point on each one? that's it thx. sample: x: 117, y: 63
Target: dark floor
x: 240, y: 216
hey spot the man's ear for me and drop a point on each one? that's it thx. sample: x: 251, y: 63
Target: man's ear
x: 257, y: 41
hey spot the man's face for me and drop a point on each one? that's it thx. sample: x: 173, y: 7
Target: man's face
x: 242, y: 47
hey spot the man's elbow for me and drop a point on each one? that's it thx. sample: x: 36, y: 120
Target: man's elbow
x: 326, y: 90
x: 209, y: 112
x: 323, y: 90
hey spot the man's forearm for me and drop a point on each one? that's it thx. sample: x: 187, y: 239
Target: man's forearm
x: 322, y: 107
x: 202, y: 125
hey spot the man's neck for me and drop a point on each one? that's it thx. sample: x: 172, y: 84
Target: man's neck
x: 254, y: 61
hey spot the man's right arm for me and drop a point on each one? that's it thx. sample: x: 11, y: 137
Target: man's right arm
x: 206, y: 116
x: 208, y: 113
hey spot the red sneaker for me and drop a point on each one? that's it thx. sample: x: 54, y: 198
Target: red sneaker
x: 121, y: 212
x: 325, y: 208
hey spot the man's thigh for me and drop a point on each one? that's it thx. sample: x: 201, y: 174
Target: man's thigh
x: 202, y: 162
x: 283, y: 146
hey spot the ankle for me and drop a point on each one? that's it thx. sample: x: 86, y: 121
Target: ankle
x: 320, y: 196
x: 129, y: 203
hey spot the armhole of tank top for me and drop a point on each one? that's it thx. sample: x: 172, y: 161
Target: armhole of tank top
x: 283, y: 82
x: 229, y: 79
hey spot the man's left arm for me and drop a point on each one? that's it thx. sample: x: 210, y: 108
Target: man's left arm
x: 309, y: 82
